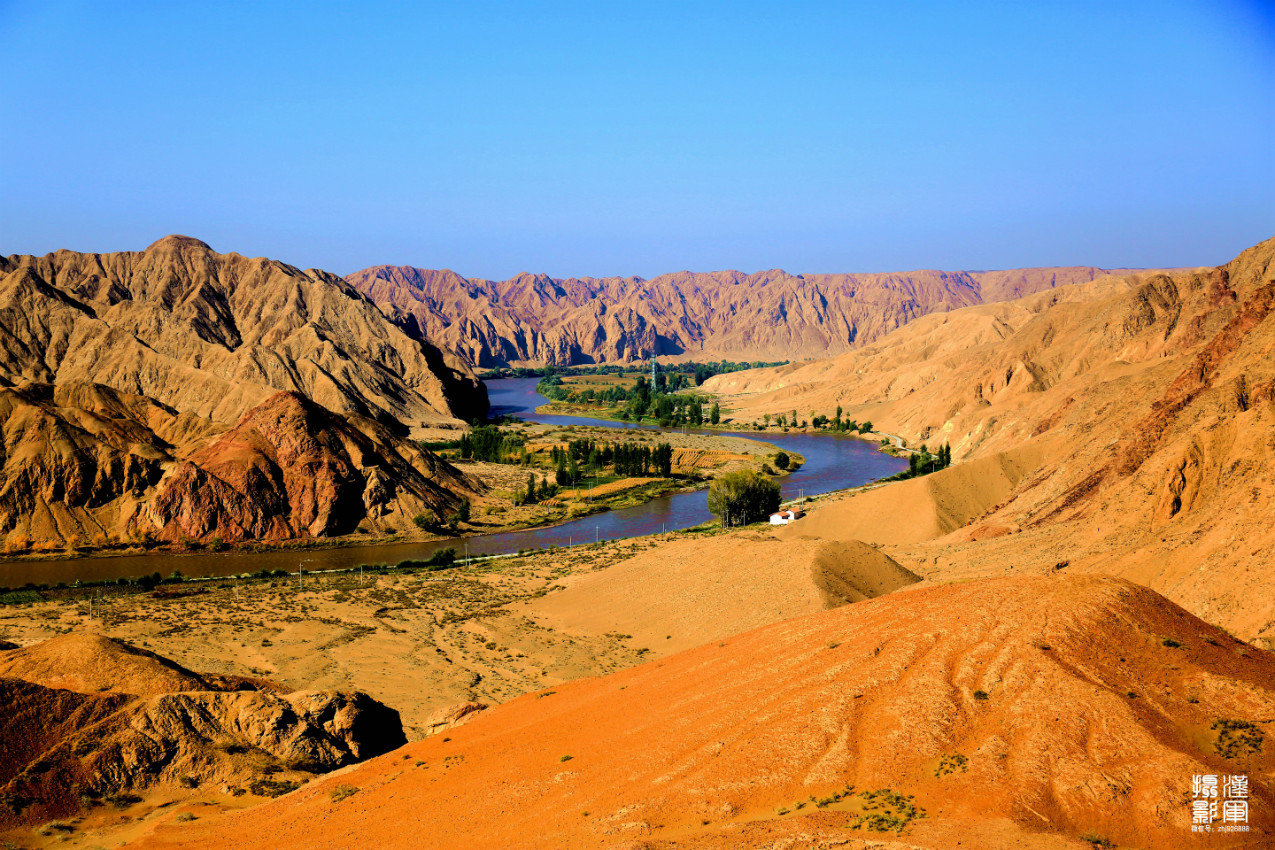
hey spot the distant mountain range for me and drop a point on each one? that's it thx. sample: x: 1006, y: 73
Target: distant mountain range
x: 772, y: 315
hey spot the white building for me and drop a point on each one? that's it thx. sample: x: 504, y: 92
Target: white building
x: 785, y: 517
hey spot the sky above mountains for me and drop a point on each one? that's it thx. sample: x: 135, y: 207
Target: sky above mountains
x: 634, y: 139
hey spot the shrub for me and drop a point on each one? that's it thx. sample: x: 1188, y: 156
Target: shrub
x: 1237, y: 738
x: 343, y: 792
x: 980, y: 695
x: 272, y: 787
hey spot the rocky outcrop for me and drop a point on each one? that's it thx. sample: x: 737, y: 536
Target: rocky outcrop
x: 80, y: 461
x: 291, y: 468
x: 451, y: 716
x: 770, y: 315
x: 83, y: 463
x: 64, y: 746
x: 216, y: 334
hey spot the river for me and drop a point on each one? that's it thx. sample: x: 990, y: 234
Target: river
x: 832, y: 463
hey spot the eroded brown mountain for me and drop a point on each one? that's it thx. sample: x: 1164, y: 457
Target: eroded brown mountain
x: 86, y: 464
x: 769, y: 315
x: 216, y: 334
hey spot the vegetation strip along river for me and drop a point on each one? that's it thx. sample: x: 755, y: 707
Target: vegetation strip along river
x: 832, y: 463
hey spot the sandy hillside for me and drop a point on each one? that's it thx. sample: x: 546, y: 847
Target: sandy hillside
x: 1024, y: 712
x: 692, y: 590
x: 1120, y: 426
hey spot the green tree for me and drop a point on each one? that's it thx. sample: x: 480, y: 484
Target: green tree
x: 865, y: 427
x: 782, y: 460
x: 715, y: 413
x: 739, y: 498
x: 663, y: 459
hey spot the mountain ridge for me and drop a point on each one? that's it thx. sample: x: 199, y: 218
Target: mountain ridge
x: 1119, y: 426
x: 214, y: 334
x: 766, y: 315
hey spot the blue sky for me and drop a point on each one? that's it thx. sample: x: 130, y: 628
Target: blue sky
x: 639, y: 138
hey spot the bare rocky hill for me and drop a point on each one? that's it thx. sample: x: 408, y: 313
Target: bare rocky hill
x: 84, y: 464
x: 198, y: 395
x: 90, y: 720
x: 216, y: 334
x: 770, y: 315
x: 1121, y: 426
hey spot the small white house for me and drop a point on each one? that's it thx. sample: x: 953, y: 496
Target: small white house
x: 785, y: 517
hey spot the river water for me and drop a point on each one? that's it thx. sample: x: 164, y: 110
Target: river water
x: 832, y: 463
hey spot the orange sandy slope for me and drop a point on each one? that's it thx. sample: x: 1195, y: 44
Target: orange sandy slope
x: 1090, y: 724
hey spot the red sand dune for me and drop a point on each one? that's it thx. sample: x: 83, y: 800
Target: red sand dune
x: 1080, y: 706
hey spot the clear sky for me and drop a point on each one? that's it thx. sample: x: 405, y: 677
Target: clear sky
x: 642, y: 137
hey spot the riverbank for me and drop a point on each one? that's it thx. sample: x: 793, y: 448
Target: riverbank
x: 560, y: 409
x: 829, y: 464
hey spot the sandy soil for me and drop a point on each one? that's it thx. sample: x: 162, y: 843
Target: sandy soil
x: 1042, y: 712
x: 696, y: 589
x: 418, y: 642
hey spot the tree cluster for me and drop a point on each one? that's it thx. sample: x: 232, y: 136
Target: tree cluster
x: 924, y: 462
x: 489, y: 443
x: 739, y: 498
x: 626, y: 459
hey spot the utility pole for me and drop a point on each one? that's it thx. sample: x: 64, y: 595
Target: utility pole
x: 301, y: 576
